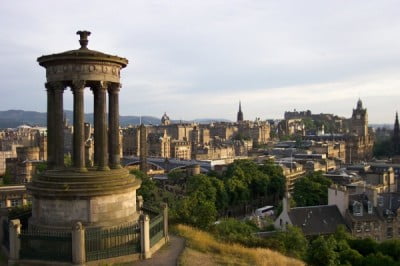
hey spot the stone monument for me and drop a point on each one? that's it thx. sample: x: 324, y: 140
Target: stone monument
x: 101, y: 195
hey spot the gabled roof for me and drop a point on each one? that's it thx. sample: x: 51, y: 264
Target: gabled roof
x: 316, y: 220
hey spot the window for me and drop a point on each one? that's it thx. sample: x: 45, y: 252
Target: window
x: 389, y: 232
x: 357, y: 227
x: 367, y: 227
x: 15, y: 202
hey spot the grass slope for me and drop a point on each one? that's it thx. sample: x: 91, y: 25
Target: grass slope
x: 203, y: 249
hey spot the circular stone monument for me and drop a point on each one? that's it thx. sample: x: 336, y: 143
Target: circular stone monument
x: 100, y: 196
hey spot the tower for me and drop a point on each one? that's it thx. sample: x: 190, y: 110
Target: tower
x: 240, y: 113
x: 359, y: 120
x: 143, y: 148
x: 396, y: 136
x: 101, y: 196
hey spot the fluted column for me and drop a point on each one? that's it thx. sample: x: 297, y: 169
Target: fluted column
x: 100, y: 126
x: 58, y: 135
x: 50, y: 126
x: 113, y: 124
x: 78, y: 87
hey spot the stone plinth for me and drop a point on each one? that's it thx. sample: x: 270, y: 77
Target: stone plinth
x: 95, y: 198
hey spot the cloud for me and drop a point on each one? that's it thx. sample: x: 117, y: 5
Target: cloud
x: 198, y: 58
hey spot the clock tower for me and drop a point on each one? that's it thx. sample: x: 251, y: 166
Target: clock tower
x: 359, y: 120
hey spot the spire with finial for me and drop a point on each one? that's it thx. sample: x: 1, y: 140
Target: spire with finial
x: 83, y: 41
x: 359, y: 104
x: 240, y: 113
x: 396, y: 136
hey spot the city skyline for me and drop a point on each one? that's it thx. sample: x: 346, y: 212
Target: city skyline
x: 197, y: 60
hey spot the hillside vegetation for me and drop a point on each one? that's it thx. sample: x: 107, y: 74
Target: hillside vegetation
x: 203, y: 249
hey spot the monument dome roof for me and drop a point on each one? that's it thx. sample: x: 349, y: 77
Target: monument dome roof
x: 81, y: 54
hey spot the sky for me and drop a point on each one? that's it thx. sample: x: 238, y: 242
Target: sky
x: 198, y: 59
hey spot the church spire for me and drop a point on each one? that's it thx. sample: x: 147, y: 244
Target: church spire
x: 396, y: 136
x: 240, y: 113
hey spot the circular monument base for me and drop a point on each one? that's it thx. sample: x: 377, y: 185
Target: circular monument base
x: 95, y: 198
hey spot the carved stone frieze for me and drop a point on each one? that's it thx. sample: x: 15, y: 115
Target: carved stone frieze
x: 86, y: 71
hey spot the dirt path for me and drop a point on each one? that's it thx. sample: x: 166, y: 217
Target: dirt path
x: 168, y: 255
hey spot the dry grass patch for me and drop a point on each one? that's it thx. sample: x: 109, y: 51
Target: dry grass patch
x: 206, y: 250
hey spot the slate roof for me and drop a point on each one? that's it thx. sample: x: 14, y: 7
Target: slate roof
x: 316, y: 220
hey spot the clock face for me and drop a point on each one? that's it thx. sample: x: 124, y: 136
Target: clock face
x: 358, y: 116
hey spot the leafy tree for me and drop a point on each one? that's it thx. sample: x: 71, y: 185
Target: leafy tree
x: 67, y: 160
x: 341, y: 233
x: 41, y: 167
x: 378, y: 259
x: 222, y: 199
x: 390, y: 248
x: 195, y: 211
x: 176, y: 175
x: 198, y: 207
x: 294, y: 242
x: 148, y: 187
x: 311, y: 190
x: 365, y: 246
x: 322, y: 252
x: 383, y: 148
x: 233, y: 230
x: 347, y: 255
x: 237, y: 190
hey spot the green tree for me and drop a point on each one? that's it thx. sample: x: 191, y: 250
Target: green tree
x: 322, y: 252
x: 67, y: 160
x: 364, y: 246
x: 198, y: 206
x: 294, y: 242
x: 222, y: 198
x: 311, y: 190
x: 196, y: 212
x: 148, y: 187
x: 378, y: 259
x: 390, y: 248
x: 383, y: 148
x: 232, y: 230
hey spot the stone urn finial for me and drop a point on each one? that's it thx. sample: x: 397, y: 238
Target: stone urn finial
x: 84, y: 38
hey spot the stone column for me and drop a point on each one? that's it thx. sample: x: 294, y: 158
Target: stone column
x: 139, y: 204
x: 113, y: 124
x: 164, y: 208
x: 58, y: 110
x: 100, y: 126
x: 15, y: 231
x: 95, y: 125
x: 50, y: 125
x: 78, y: 244
x: 78, y: 87
x: 145, y: 236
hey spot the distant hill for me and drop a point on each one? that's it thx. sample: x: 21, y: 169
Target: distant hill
x: 14, y: 118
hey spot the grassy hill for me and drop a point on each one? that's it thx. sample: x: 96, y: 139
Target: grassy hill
x: 204, y: 249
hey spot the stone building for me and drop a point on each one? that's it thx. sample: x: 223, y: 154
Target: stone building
x: 159, y: 145
x: 22, y: 169
x: 181, y: 149
x: 360, y: 139
x: 369, y: 214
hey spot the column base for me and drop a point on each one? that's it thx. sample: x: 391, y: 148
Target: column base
x: 103, y: 168
x: 117, y: 166
x: 81, y: 169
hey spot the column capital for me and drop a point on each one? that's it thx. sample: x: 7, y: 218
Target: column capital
x: 78, y: 85
x: 102, y: 85
x: 54, y: 85
x: 114, y: 88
